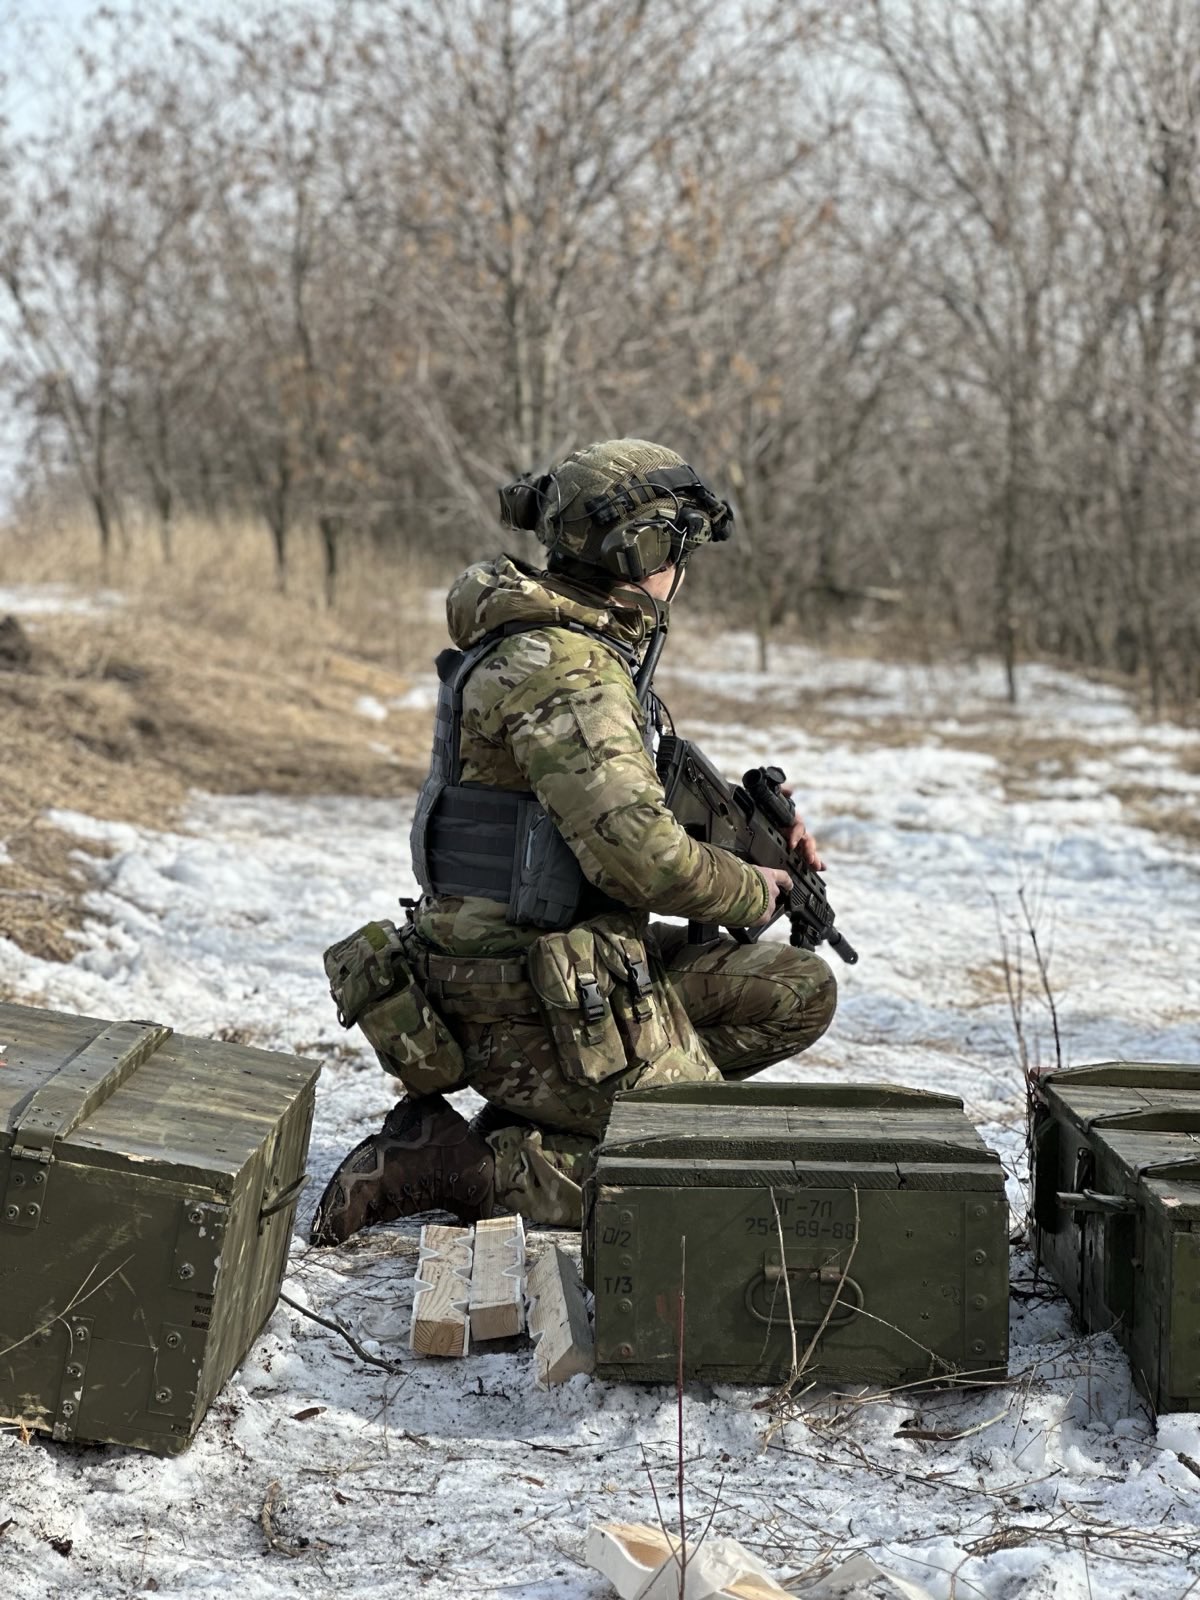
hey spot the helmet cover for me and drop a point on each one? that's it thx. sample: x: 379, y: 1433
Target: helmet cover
x: 628, y: 506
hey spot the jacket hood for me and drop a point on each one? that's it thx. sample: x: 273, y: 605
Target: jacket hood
x: 502, y: 590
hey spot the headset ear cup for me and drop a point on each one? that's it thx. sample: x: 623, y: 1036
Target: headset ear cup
x: 634, y: 553
x: 520, y: 503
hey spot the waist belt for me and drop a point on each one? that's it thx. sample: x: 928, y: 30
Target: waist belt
x: 476, y: 986
x: 475, y: 969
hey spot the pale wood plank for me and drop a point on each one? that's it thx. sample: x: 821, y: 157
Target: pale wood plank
x: 497, y: 1302
x: 629, y: 1554
x: 440, y: 1324
x: 558, y: 1318
x: 640, y: 1563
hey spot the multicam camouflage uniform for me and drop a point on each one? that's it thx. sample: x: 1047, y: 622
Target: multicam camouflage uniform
x: 554, y: 711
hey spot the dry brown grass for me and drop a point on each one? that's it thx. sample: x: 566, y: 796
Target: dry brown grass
x: 1146, y: 808
x: 204, y: 678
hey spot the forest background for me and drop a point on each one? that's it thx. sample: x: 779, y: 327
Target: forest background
x: 915, y: 283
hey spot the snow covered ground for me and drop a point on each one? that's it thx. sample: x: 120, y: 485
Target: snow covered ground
x: 933, y: 803
x: 56, y: 599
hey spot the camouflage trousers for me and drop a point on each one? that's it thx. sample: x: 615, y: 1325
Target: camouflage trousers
x: 733, y: 1009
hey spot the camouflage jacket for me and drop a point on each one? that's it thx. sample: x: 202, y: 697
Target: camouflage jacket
x: 556, y: 712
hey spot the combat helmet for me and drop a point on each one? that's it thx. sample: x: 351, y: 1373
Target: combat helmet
x: 625, y: 506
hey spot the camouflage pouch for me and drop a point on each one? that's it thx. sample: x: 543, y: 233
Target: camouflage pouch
x: 372, y: 983
x: 635, y: 998
x: 573, y: 986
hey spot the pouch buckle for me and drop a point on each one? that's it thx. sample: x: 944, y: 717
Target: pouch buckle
x: 640, y: 986
x: 591, y: 1001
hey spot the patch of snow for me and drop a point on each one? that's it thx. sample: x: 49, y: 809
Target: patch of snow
x: 374, y: 710
x: 56, y: 599
x: 421, y: 697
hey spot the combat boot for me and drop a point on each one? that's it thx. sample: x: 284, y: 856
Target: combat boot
x: 424, y: 1158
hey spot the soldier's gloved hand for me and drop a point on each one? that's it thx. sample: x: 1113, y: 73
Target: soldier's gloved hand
x: 800, y: 839
x: 778, y: 882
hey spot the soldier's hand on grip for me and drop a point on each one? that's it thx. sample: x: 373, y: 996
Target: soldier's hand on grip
x: 779, y: 883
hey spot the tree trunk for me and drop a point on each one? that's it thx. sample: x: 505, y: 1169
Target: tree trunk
x: 330, y: 528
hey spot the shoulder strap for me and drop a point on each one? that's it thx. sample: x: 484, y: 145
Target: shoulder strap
x: 624, y: 653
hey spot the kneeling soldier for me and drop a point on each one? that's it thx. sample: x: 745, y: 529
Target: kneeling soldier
x: 542, y: 841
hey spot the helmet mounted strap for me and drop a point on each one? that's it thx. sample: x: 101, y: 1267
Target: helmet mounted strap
x: 628, y: 498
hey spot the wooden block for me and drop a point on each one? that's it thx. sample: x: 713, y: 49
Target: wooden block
x: 497, y: 1303
x: 862, y: 1575
x: 640, y: 1563
x: 718, y: 1569
x: 440, y: 1323
x: 558, y: 1318
x: 629, y: 1554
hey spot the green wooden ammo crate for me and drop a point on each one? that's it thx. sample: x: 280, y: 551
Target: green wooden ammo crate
x: 148, y: 1184
x: 1116, y: 1200
x: 880, y: 1202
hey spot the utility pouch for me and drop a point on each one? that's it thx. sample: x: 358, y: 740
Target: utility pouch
x: 573, y: 985
x: 372, y: 982
x: 636, y: 998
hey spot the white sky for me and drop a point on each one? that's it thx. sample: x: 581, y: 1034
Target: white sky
x: 36, y: 37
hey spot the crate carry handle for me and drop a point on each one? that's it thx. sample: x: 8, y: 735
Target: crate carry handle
x: 81, y: 1084
x: 1091, y: 1200
x: 67, y: 1098
x: 283, y: 1199
x: 850, y: 1297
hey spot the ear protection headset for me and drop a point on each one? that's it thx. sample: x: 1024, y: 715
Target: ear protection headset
x: 612, y: 540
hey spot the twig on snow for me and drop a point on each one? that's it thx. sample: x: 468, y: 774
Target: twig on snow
x: 335, y: 1326
x: 273, y: 1503
x: 950, y: 1435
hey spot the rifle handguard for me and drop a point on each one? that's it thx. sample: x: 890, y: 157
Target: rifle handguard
x: 755, y: 823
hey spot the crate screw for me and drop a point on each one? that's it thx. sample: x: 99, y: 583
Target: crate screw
x: 79, y: 1331
x: 162, y: 1396
x: 977, y: 1347
x: 196, y: 1217
x: 626, y: 1216
x: 18, y: 1180
x: 74, y: 1370
x: 68, y: 1408
x: 173, y: 1341
x: 12, y: 1213
x: 981, y: 1211
x: 979, y: 1257
x: 979, y: 1302
x: 625, y: 1305
x: 39, y: 1177
x: 625, y: 1350
x: 33, y: 1211
x: 187, y: 1270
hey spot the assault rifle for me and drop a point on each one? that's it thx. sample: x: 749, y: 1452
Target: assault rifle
x: 753, y: 821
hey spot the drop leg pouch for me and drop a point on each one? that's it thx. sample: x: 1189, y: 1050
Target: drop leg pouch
x: 373, y: 984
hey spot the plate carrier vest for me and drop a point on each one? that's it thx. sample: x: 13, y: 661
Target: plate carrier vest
x: 499, y: 844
